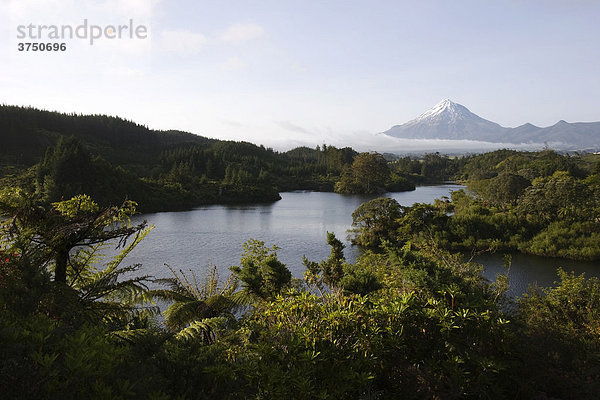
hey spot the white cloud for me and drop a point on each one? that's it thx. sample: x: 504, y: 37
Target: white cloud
x: 240, y: 33
x: 182, y: 42
x: 292, y: 127
x: 364, y: 141
x: 233, y: 64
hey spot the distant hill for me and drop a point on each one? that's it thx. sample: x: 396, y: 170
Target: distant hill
x: 26, y: 133
x: 452, y: 121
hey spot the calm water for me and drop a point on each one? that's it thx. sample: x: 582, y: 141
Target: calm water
x: 298, y: 224
x: 529, y: 270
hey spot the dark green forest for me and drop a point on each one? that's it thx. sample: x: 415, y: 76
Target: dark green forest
x: 57, y: 156
x: 412, y: 318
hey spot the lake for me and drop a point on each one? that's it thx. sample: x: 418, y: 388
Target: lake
x: 298, y: 225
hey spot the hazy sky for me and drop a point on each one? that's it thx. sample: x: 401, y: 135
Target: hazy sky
x: 289, y: 72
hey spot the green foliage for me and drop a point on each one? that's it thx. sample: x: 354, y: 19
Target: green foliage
x: 540, y: 203
x: 359, y: 280
x: 334, y: 274
x: 376, y: 221
x: 504, y: 189
x: 57, y: 335
x: 560, y: 195
x: 571, y: 309
x: 561, y: 330
x: 61, y: 227
x: 398, y: 183
x: 431, y: 167
x: 42, y: 358
x: 113, y: 291
x: 391, y: 342
x: 261, y: 274
x: 577, y: 240
x: 421, y: 222
x: 203, y: 330
x: 368, y: 173
x: 332, y: 268
x: 198, y: 309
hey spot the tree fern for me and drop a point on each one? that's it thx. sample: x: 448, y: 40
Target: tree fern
x: 106, y: 291
x: 194, y: 301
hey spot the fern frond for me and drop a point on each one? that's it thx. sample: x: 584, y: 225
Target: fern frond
x: 169, y: 295
x: 116, y: 261
x: 81, y: 264
x: 204, y: 330
x: 109, y: 287
x: 180, y: 314
x: 244, y: 298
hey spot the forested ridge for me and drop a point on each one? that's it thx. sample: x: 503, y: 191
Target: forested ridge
x: 60, y: 155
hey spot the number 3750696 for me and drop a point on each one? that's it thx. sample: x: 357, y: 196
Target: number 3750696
x: 34, y: 46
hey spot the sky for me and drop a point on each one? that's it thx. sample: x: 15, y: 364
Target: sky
x: 284, y: 73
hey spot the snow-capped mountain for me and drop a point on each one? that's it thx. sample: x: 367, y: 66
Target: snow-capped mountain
x: 452, y: 121
x: 448, y: 120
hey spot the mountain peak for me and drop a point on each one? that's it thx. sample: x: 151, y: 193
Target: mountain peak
x: 446, y: 120
x: 452, y: 121
x: 446, y: 109
x: 445, y: 103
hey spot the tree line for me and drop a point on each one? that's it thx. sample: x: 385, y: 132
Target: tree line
x: 540, y: 203
x: 58, y: 155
